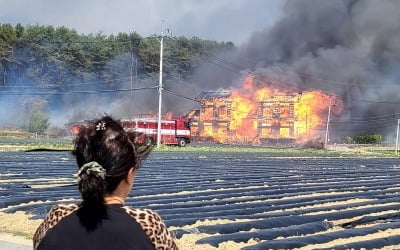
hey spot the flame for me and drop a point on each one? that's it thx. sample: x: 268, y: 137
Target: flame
x: 252, y: 114
x: 168, y: 116
x: 311, y: 113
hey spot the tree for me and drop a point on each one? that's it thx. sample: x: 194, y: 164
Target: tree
x: 38, y: 122
x: 47, y: 56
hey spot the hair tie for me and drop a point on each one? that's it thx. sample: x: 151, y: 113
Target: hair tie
x: 93, y: 168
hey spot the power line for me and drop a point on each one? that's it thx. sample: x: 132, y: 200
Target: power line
x: 280, y: 82
x: 319, y: 78
x: 180, y: 82
x: 368, y: 127
x: 68, y: 84
x: 180, y: 95
x: 76, y: 92
x: 352, y: 130
x: 255, y: 74
x: 368, y: 118
x: 379, y: 116
x: 361, y: 122
x: 76, y: 42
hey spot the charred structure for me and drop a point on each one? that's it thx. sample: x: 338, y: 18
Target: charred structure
x: 273, y: 120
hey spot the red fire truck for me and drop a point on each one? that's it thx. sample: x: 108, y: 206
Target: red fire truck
x: 173, y: 131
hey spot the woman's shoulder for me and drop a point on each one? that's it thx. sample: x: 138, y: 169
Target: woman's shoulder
x: 62, y: 207
x: 148, y: 219
x: 153, y: 226
x: 55, y: 215
x: 59, y: 211
x: 142, y: 214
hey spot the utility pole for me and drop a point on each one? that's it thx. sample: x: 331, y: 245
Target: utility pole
x: 136, y: 69
x: 397, y: 137
x: 131, y: 73
x: 327, y: 123
x: 160, y: 88
x: 4, y: 76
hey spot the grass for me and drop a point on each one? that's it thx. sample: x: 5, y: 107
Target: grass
x: 15, y: 134
x: 287, y: 151
x: 25, y: 144
x: 378, y: 149
x: 31, y: 144
x: 49, y: 147
x: 25, y: 235
x: 385, y: 152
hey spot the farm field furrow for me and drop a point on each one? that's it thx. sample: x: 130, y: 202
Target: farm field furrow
x: 234, y: 200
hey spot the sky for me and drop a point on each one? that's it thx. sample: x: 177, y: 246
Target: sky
x: 221, y: 20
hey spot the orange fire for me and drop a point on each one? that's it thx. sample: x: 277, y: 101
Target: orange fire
x: 253, y: 114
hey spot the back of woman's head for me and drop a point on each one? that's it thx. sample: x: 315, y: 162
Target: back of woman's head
x: 104, y: 153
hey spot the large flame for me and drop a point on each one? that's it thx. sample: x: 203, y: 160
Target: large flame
x: 285, y: 114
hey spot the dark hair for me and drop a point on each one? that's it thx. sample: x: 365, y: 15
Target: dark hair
x: 107, y: 143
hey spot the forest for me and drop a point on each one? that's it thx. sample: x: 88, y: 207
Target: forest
x: 47, y: 56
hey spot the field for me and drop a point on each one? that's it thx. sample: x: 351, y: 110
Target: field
x: 230, y: 199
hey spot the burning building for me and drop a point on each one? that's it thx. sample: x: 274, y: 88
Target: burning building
x: 275, y: 118
x: 261, y: 114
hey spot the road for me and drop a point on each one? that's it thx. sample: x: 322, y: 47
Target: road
x: 11, y: 242
x: 13, y: 246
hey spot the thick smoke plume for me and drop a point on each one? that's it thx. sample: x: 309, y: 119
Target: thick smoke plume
x: 347, y: 48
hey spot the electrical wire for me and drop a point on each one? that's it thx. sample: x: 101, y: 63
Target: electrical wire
x: 68, y: 84
x: 180, y: 82
x: 379, y: 116
x: 180, y: 95
x: 352, y: 130
x: 217, y: 59
x: 319, y: 78
x: 281, y: 83
x: 76, y: 92
x: 76, y: 42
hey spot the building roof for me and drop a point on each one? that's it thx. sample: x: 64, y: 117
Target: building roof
x: 211, y: 95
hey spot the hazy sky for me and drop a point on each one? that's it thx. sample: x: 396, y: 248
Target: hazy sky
x: 222, y: 20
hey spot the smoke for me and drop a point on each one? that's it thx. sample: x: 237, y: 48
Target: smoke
x: 347, y: 48
x: 120, y: 102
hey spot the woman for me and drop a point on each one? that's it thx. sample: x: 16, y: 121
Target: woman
x: 108, y: 159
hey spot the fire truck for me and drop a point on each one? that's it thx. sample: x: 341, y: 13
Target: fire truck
x: 173, y: 131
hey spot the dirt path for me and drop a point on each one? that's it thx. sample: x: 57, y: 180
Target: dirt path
x: 345, y: 148
x: 12, y: 242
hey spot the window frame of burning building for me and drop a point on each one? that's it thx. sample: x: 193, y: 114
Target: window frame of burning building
x: 274, y: 116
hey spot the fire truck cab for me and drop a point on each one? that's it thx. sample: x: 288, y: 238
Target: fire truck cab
x: 173, y: 131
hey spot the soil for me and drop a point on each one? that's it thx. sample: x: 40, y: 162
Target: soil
x: 17, y: 227
x: 225, y: 182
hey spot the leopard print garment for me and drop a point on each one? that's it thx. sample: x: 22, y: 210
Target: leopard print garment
x: 149, y: 220
x: 154, y: 227
x: 52, y: 218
